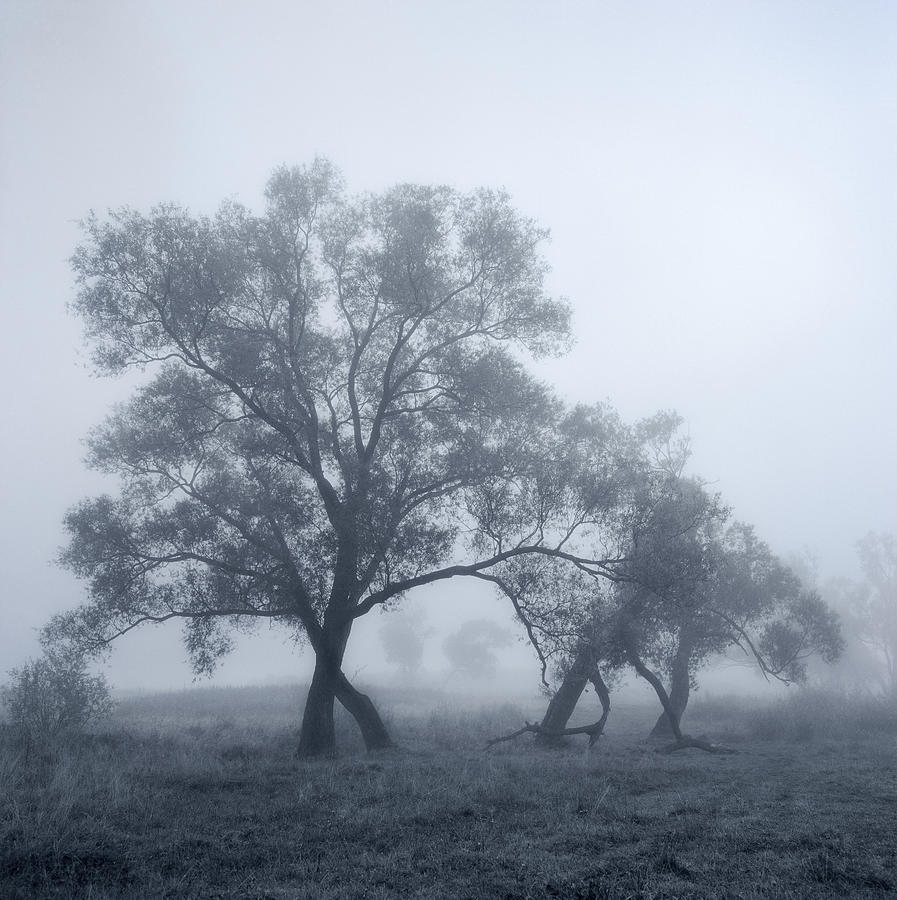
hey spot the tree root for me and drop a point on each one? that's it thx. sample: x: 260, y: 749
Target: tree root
x: 593, y: 731
x: 698, y: 743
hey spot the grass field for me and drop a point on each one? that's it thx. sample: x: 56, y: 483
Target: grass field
x: 200, y: 795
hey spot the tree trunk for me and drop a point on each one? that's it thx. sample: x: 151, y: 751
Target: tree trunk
x: 553, y: 728
x: 681, y: 742
x: 662, y: 695
x: 318, y: 735
x: 680, y: 687
x: 362, y: 709
x: 603, y: 693
x: 562, y: 705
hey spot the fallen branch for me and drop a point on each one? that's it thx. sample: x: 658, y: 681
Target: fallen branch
x: 593, y: 731
x: 698, y: 743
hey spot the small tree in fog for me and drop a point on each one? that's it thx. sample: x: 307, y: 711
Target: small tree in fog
x: 402, y: 635
x: 743, y: 597
x: 871, y: 609
x: 471, y: 649
x: 54, y: 696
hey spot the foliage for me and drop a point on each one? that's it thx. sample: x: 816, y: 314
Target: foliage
x: 617, y: 496
x: 470, y: 649
x: 337, y: 410
x: 54, y: 696
x: 802, y: 627
x: 689, y: 584
x: 716, y: 585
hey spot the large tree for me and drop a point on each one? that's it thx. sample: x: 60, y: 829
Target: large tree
x: 333, y: 412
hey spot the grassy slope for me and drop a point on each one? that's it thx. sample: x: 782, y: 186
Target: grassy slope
x: 202, y: 797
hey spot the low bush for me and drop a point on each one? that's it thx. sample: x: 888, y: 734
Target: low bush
x: 805, y: 714
x: 53, y: 696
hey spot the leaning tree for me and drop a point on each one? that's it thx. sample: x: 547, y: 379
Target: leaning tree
x: 688, y: 585
x: 333, y: 405
x: 746, y: 599
x: 571, y: 612
x: 713, y: 587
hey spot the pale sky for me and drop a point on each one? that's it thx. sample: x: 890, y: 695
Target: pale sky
x: 719, y: 180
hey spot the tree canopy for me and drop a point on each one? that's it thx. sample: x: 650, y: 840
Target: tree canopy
x: 335, y: 409
x: 335, y: 412
x: 689, y: 584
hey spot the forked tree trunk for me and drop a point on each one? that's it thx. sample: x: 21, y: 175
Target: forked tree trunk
x: 681, y: 742
x: 603, y: 693
x: 318, y: 735
x: 562, y: 705
x: 362, y: 709
x: 659, y: 689
x: 680, y: 687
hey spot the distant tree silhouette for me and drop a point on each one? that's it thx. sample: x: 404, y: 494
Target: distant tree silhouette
x: 402, y: 635
x: 470, y: 649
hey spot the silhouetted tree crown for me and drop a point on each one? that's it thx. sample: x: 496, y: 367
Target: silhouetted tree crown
x: 336, y: 399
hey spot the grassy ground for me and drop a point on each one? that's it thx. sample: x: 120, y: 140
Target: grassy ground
x: 200, y: 796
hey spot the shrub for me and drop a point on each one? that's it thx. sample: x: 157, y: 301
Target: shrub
x: 816, y: 713
x: 805, y: 714
x: 54, y: 695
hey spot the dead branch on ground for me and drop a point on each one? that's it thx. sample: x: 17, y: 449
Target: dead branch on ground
x: 698, y: 743
x: 593, y: 731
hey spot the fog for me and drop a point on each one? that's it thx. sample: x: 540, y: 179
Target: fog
x: 719, y: 181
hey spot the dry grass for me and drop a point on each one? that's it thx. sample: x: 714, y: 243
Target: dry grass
x: 201, y: 796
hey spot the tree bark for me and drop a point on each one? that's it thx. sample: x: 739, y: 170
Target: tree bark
x: 362, y: 709
x: 680, y: 687
x: 562, y: 705
x: 559, y: 729
x: 681, y: 741
x: 318, y: 735
x: 662, y: 695
x: 603, y: 693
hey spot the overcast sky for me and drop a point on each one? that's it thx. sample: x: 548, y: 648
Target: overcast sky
x: 719, y: 180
